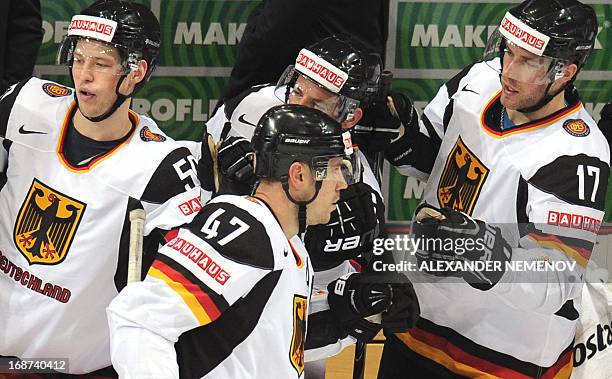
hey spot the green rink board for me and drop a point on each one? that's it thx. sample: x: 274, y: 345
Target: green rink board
x: 199, y: 41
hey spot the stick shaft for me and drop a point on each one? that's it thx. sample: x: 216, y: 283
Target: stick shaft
x: 137, y: 217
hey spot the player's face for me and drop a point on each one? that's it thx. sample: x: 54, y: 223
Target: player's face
x: 319, y: 211
x: 310, y: 95
x: 96, y: 70
x: 523, y: 78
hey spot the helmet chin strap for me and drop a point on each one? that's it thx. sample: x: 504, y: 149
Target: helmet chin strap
x: 544, y: 100
x: 301, y: 204
x: 110, y: 111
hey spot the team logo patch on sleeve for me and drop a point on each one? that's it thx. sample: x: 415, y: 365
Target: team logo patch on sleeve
x: 462, y: 179
x: 576, y: 127
x: 296, y: 353
x: 55, y: 90
x: 147, y: 135
x: 46, y: 224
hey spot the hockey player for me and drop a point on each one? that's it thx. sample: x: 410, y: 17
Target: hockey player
x: 79, y: 160
x: 356, y: 81
x: 228, y: 297
x: 521, y: 165
x: 351, y: 82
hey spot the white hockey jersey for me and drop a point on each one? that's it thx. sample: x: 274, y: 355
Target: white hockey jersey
x: 64, y: 230
x: 243, y: 113
x: 551, y: 173
x: 227, y: 297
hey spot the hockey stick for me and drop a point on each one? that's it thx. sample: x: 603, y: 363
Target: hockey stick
x: 377, y: 163
x: 359, y: 362
x: 137, y: 217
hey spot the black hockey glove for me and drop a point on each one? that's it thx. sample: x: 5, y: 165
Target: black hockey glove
x: 384, y: 123
x: 605, y: 122
x: 208, y: 171
x: 236, y: 166
x: 358, y: 219
x: 450, y: 236
x: 364, y: 303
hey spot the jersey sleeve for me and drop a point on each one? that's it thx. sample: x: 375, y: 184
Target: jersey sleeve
x: 563, y: 207
x: 7, y: 101
x: 173, y: 195
x: 195, y: 277
x: 416, y: 156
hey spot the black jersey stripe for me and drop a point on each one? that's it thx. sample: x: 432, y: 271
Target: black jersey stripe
x: 6, y: 104
x: 252, y: 246
x: 202, y: 349
x: 474, y: 353
x: 165, y: 183
x: 577, y: 179
x: 431, y: 130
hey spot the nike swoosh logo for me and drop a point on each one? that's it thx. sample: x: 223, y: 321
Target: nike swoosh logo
x: 241, y: 119
x: 22, y: 130
x: 469, y: 90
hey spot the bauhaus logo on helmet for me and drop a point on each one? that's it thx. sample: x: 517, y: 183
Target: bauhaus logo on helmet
x: 523, y: 35
x: 320, y: 70
x: 94, y: 27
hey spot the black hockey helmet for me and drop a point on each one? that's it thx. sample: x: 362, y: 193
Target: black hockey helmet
x: 570, y: 25
x: 294, y: 133
x: 349, y: 57
x: 557, y: 32
x: 339, y: 65
x: 562, y: 32
x: 131, y: 28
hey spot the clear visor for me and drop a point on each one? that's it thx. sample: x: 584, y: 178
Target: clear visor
x: 81, y: 53
x: 295, y: 88
x: 346, y: 168
x: 520, y: 64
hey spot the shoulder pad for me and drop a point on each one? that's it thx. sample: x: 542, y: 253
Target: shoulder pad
x: 234, y: 233
x: 577, y: 179
x: 174, y: 175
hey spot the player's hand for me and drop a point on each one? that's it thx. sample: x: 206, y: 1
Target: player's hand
x: 364, y: 303
x: 453, y: 236
x: 358, y: 219
x: 385, y: 122
x: 208, y: 171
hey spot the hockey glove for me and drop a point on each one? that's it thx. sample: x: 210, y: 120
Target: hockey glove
x: 384, y: 122
x: 364, y: 303
x: 451, y: 237
x: 358, y: 219
x: 236, y: 166
x: 208, y: 171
